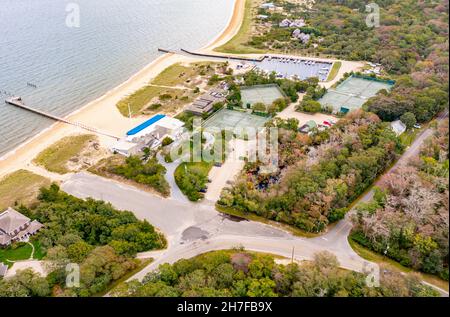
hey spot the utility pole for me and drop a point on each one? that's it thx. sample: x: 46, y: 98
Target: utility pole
x: 129, y: 110
x: 292, y: 259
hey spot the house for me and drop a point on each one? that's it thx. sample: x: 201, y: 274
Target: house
x: 398, y: 127
x: 308, y: 126
x: 16, y: 227
x: 205, y: 103
x: 3, y: 269
x: 125, y: 148
x: 268, y: 5
x: 297, y: 23
x: 303, y: 37
x: 285, y: 23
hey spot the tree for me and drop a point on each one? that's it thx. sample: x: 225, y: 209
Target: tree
x: 409, y: 119
x: 259, y: 107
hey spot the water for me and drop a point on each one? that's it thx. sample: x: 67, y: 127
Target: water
x: 72, y: 66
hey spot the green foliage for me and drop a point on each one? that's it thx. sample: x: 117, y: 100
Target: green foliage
x: 405, y: 210
x: 76, y: 225
x: 166, y: 141
x: 150, y: 173
x: 242, y: 274
x: 409, y: 119
x: 309, y: 196
x: 191, y: 178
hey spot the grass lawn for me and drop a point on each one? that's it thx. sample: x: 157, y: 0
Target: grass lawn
x: 408, y: 137
x: 237, y: 45
x: 253, y: 217
x: 392, y: 265
x: 22, y: 252
x: 334, y: 70
x: 20, y: 187
x: 55, y: 157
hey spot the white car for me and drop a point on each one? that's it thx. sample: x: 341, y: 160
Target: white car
x: 417, y: 126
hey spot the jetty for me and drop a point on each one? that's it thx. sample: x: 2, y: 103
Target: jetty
x: 185, y: 52
x: 17, y: 101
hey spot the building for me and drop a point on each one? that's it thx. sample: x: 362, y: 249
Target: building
x: 308, y: 126
x: 285, y: 23
x: 3, y: 269
x: 16, y: 227
x: 268, y: 5
x: 149, y: 134
x: 125, y: 148
x: 398, y: 127
x: 205, y: 103
x: 303, y: 37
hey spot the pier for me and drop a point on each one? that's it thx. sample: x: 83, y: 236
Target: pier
x: 17, y: 101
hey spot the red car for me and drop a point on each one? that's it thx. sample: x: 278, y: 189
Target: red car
x: 327, y: 123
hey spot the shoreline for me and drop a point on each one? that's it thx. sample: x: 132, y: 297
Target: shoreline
x: 102, y: 112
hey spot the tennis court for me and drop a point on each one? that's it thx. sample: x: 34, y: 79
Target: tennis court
x: 353, y: 93
x: 266, y: 94
x: 226, y: 119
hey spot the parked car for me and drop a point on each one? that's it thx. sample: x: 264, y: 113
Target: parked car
x: 218, y: 164
x: 417, y: 126
x: 327, y: 123
x: 203, y: 190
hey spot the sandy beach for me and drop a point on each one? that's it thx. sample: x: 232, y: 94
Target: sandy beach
x: 102, y: 112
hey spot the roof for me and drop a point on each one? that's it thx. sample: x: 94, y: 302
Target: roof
x: 170, y: 123
x: 123, y: 145
x: 11, y: 219
x: 311, y: 124
x: 4, y: 239
x: 145, y: 124
x: 398, y: 127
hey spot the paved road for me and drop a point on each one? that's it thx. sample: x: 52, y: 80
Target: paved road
x: 195, y: 228
x: 192, y: 228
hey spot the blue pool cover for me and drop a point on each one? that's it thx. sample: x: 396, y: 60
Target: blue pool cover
x: 145, y: 124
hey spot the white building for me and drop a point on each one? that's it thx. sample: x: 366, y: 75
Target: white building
x: 125, y: 148
x: 398, y: 127
x: 268, y: 5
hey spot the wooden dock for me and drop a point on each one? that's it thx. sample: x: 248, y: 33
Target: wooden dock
x: 17, y: 101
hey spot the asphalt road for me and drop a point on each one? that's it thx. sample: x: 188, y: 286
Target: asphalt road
x: 195, y: 228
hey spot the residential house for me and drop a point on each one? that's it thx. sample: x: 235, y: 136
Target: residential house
x: 285, y: 23
x: 398, y: 127
x: 16, y: 227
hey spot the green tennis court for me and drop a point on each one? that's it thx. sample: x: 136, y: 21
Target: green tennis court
x: 226, y: 119
x: 266, y: 94
x: 353, y: 93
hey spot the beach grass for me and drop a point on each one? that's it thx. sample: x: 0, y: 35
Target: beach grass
x: 171, y: 89
x: 392, y: 265
x: 238, y: 44
x: 20, y: 187
x: 178, y: 74
x: 334, y: 70
x: 55, y: 157
x: 143, y: 97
